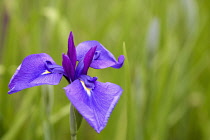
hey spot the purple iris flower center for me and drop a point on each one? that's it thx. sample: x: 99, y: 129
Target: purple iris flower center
x: 94, y: 100
x: 79, y: 73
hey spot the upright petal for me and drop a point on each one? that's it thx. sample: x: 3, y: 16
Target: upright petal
x: 34, y: 71
x: 102, y: 57
x: 88, y: 59
x: 71, y: 50
x: 96, y: 104
x: 68, y: 67
x: 84, y: 63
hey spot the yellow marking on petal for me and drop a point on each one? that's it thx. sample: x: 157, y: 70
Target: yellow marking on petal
x: 86, y: 89
x: 46, y: 72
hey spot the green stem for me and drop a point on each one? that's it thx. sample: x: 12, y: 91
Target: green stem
x: 73, y: 123
x: 47, y: 93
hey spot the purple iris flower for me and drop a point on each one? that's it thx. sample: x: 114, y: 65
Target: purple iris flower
x: 94, y: 100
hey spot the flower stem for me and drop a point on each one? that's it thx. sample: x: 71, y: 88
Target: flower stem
x: 47, y: 106
x: 73, y: 123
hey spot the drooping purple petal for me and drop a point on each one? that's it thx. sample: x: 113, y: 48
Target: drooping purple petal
x: 120, y: 63
x: 34, y: 71
x: 102, y: 57
x: 95, y: 105
x: 71, y: 50
x: 68, y: 67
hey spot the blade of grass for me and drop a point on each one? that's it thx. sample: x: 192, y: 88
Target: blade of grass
x: 131, y: 128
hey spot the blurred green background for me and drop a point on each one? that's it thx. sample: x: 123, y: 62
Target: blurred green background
x: 165, y: 78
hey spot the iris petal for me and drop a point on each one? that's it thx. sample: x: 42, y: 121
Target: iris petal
x: 97, y: 106
x: 85, y: 62
x: 34, y: 72
x: 88, y: 59
x: 102, y: 59
x: 71, y: 50
x: 68, y: 67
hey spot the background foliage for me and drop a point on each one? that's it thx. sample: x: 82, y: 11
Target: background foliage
x: 165, y: 77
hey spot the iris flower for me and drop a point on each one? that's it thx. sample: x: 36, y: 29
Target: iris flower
x: 94, y: 100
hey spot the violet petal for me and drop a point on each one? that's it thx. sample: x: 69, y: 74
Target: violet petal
x: 33, y: 72
x: 84, y: 63
x: 97, y: 105
x: 102, y: 57
x: 71, y: 50
x: 88, y: 59
x: 68, y: 67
